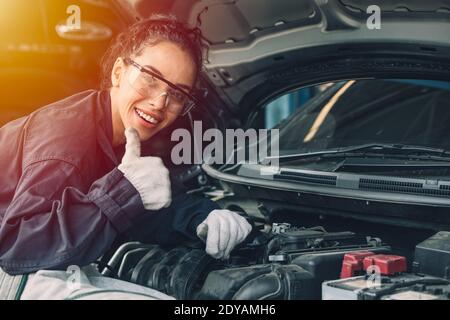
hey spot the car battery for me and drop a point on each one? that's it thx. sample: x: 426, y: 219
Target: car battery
x: 398, y: 287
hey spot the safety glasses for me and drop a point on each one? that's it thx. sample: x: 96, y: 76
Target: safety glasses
x: 150, y: 85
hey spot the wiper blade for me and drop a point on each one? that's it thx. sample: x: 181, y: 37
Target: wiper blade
x: 398, y: 148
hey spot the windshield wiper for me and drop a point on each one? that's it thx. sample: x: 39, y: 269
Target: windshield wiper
x: 386, y: 149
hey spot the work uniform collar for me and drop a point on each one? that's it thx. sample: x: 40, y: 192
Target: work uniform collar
x: 105, y: 128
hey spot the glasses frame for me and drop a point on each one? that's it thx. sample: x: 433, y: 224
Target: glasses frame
x: 185, y: 110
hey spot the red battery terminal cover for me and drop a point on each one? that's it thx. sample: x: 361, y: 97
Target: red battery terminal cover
x: 388, y: 264
x: 353, y: 263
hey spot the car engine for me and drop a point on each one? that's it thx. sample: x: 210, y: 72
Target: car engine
x: 290, y: 263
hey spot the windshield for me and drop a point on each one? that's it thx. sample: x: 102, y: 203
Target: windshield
x: 358, y: 112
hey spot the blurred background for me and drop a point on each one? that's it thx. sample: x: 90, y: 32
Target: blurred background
x: 43, y: 59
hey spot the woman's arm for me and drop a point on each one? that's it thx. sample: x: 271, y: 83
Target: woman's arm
x: 50, y: 225
x: 176, y: 224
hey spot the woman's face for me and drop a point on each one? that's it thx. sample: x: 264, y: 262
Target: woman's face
x: 149, y: 113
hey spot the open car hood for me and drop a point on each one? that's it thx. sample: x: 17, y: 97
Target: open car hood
x: 251, y: 39
x: 229, y: 24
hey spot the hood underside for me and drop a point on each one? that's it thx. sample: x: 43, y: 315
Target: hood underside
x: 252, y: 40
x: 238, y: 30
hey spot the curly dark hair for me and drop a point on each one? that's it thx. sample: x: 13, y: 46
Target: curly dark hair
x: 148, y: 32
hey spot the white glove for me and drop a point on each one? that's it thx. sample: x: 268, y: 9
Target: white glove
x: 223, y: 230
x: 147, y: 174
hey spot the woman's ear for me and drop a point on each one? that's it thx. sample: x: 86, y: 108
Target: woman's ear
x: 116, y: 73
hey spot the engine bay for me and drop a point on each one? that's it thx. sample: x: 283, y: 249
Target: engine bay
x: 283, y: 261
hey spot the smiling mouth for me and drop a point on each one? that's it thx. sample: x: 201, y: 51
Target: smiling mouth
x: 146, y: 117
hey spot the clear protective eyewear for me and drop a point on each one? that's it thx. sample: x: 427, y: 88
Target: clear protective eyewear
x: 149, y: 85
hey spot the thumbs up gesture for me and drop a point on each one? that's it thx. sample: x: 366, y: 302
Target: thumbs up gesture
x: 147, y: 174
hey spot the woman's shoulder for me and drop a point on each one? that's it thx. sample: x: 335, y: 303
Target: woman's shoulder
x: 81, y: 100
x: 64, y: 130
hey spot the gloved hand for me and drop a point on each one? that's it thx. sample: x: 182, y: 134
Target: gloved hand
x: 147, y: 174
x: 223, y: 230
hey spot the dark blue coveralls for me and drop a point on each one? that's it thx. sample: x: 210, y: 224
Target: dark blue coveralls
x: 62, y: 199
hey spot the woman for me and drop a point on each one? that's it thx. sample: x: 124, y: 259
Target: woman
x: 69, y: 189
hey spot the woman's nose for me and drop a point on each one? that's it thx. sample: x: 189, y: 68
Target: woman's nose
x: 160, y: 102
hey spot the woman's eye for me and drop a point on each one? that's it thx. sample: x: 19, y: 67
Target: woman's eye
x: 148, y: 79
x: 177, y: 96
